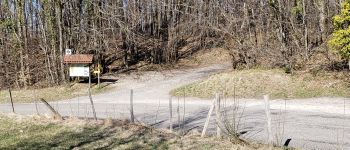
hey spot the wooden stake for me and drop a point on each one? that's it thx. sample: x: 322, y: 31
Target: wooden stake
x: 131, y: 106
x: 13, y: 108
x: 98, y: 80
x: 208, y: 118
x: 183, y: 116
x: 92, y: 103
x: 218, y: 115
x: 78, y: 107
x: 36, y: 103
x: 178, y: 111
x: 171, y: 113
x: 268, y: 119
x: 155, y: 121
x: 56, y: 114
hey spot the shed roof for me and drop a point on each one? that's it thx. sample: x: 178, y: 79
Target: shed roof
x: 78, y: 59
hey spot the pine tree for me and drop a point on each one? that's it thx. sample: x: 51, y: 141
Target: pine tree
x: 340, y: 41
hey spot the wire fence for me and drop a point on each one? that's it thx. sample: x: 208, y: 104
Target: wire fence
x: 311, y: 129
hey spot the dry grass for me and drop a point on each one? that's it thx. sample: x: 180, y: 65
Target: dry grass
x: 206, y: 57
x: 18, y: 132
x: 199, y: 59
x: 50, y: 93
x: 256, y: 82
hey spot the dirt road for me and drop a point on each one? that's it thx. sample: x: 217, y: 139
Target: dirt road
x: 317, y: 123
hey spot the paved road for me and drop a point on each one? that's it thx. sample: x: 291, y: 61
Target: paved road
x: 317, y: 123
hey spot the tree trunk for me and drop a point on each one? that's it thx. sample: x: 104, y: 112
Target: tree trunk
x: 18, y: 7
x: 25, y: 45
x: 305, y: 31
x: 322, y: 21
x: 58, y: 9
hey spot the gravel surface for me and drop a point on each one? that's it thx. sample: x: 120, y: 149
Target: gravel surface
x: 315, y: 123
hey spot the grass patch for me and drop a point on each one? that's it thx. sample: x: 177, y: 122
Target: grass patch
x: 256, y: 82
x: 206, y: 57
x: 18, y: 132
x: 50, y: 93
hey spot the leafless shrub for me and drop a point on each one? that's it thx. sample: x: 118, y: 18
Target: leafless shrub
x: 232, y: 117
x: 281, y: 120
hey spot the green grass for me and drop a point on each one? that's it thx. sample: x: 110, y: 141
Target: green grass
x: 255, y: 83
x: 18, y: 132
x: 50, y: 93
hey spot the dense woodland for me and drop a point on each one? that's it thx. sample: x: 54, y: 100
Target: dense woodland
x: 271, y: 33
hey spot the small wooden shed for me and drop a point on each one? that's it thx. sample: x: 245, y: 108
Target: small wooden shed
x: 79, y: 64
x: 79, y: 59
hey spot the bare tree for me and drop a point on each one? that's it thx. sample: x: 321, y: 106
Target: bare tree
x: 125, y: 32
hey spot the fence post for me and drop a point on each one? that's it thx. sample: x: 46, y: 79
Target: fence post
x: 268, y: 119
x: 98, y: 80
x: 131, y: 106
x: 208, y: 118
x: 56, y: 114
x: 183, y: 115
x: 13, y: 108
x: 178, y: 112
x: 36, y: 103
x: 171, y: 113
x: 92, y: 103
x: 218, y: 115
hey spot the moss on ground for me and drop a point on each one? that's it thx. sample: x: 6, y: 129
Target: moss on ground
x: 255, y: 83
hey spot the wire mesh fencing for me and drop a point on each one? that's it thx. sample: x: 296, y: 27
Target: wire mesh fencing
x: 308, y: 127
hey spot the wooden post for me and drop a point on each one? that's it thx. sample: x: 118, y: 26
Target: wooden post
x: 36, y: 103
x: 98, y: 80
x: 268, y: 119
x: 78, y: 106
x: 155, y: 121
x: 92, y: 103
x: 171, y: 114
x: 183, y: 115
x: 98, y: 74
x: 56, y: 114
x: 13, y: 108
x: 178, y: 112
x: 131, y: 106
x: 218, y: 115
x: 208, y: 118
